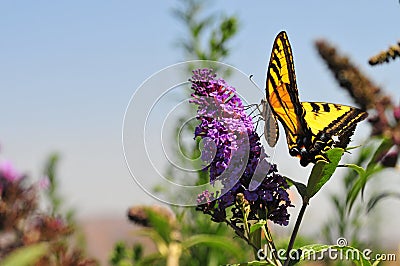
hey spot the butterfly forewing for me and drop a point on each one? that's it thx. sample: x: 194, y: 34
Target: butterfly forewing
x: 281, y: 88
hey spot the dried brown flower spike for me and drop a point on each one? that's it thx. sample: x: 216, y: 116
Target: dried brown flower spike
x: 385, y: 56
x: 364, y: 92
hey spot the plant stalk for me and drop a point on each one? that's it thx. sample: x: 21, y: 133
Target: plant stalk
x: 295, y: 231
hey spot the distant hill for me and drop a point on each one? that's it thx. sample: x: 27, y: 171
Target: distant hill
x: 102, y: 232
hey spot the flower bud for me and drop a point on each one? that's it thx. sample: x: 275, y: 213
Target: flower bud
x: 390, y: 159
x: 396, y: 113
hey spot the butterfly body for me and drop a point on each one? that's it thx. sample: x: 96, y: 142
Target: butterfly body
x: 311, y: 128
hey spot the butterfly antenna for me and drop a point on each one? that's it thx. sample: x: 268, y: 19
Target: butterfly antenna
x: 249, y: 106
x: 252, y: 81
x: 255, y: 105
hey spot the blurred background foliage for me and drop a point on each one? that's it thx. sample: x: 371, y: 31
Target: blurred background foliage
x: 207, y: 38
x: 31, y: 234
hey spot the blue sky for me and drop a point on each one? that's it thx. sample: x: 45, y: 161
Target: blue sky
x: 69, y: 68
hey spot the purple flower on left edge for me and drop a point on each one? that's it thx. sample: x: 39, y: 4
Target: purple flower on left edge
x: 8, y: 172
x: 239, y: 161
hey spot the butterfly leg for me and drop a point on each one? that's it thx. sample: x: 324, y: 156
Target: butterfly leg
x: 258, y: 121
x: 255, y: 106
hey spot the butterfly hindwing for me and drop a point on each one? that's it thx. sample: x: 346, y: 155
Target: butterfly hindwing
x: 332, y: 125
x: 271, y: 130
x: 330, y: 118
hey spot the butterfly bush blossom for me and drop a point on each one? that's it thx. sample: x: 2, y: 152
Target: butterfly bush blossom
x: 234, y: 155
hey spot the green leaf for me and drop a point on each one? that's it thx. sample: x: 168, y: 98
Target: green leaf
x: 352, y: 147
x: 356, y: 168
x: 375, y: 199
x: 377, y: 261
x: 151, y: 259
x: 162, y: 246
x: 252, y: 263
x: 257, y: 226
x: 322, y: 172
x: 358, y: 185
x: 159, y: 222
x: 385, y: 145
x: 26, y: 255
x: 214, y: 241
x: 301, y: 188
x: 372, y: 168
x: 334, y: 252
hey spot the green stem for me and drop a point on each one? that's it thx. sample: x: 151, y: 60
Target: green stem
x: 256, y: 239
x: 263, y: 216
x: 271, y: 245
x: 295, y: 231
x: 249, y: 241
x: 256, y: 236
x: 241, y: 234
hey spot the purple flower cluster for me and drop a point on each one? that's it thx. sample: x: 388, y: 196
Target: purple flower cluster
x: 234, y: 155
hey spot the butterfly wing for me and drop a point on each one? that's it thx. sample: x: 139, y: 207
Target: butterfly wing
x: 310, y: 127
x: 281, y: 90
x: 333, y: 120
x: 271, y: 130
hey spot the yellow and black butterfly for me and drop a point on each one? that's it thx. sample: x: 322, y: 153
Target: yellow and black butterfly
x: 311, y: 127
